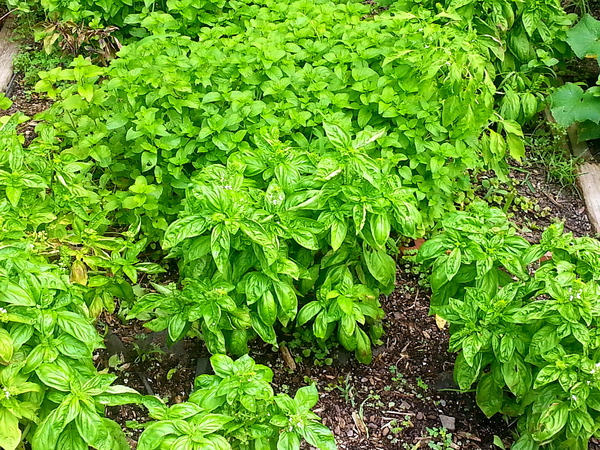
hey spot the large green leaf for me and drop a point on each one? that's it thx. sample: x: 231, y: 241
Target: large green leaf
x: 155, y: 433
x: 288, y: 440
x: 551, y: 421
x: 78, y: 327
x: 71, y: 440
x: 6, y: 346
x: 381, y: 266
x: 92, y: 429
x: 489, y: 395
x: 15, y: 294
x: 10, y: 434
x: 306, y: 397
x: 571, y: 104
x: 54, y: 376
x: 47, y: 433
x: 182, y: 229
x: 584, y: 38
x: 210, y: 423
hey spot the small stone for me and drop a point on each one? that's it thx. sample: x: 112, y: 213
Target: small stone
x: 203, y: 366
x: 420, y: 416
x: 386, y: 430
x: 448, y: 422
x: 404, y: 405
x: 445, y: 380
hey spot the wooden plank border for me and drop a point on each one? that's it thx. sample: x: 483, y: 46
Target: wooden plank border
x: 8, y: 50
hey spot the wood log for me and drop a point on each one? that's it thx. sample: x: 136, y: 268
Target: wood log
x: 8, y: 50
x: 589, y: 184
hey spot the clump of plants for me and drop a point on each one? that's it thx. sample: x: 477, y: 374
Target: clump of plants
x: 571, y: 104
x: 237, y: 409
x: 524, y: 323
x: 275, y: 153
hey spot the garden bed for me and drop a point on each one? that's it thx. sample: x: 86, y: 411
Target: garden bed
x: 406, y: 397
x: 400, y: 397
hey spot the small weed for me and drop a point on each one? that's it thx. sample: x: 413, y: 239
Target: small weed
x: 31, y: 60
x: 310, y: 347
x: 397, y: 377
x: 422, y: 384
x: 147, y: 353
x: 344, y: 385
x: 397, y: 427
x: 368, y: 402
x: 560, y: 165
x: 441, y: 439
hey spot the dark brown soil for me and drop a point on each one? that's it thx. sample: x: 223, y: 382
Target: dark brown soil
x: 404, y: 391
x: 25, y: 99
x: 539, y: 202
x: 142, y: 360
x: 27, y: 102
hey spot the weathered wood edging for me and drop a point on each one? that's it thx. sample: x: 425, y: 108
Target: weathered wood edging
x: 588, y: 173
x: 8, y: 50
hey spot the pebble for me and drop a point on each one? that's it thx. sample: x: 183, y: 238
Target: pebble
x: 420, y: 416
x: 386, y: 430
x: 448, y: 422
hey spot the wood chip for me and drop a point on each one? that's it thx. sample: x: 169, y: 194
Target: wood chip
x: 468, y: 436
x: 360, y: 424
x: 287, y: 358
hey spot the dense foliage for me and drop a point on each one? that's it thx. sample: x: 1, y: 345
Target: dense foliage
x: 192, y: 103
x: 236, y: 409
x: 571, y: 103
x: 51, y: 388
x: 268, y: 156
x: 291, y: 153
x: 524, y: 321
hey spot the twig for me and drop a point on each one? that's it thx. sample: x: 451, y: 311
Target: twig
x: 7, y: 14
x: 549, y: 197
x: 146, y: 384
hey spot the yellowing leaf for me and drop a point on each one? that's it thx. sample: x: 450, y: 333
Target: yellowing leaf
x: 441, y: 323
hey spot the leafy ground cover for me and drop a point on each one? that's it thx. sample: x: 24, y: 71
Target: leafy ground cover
x: 248, y: 181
